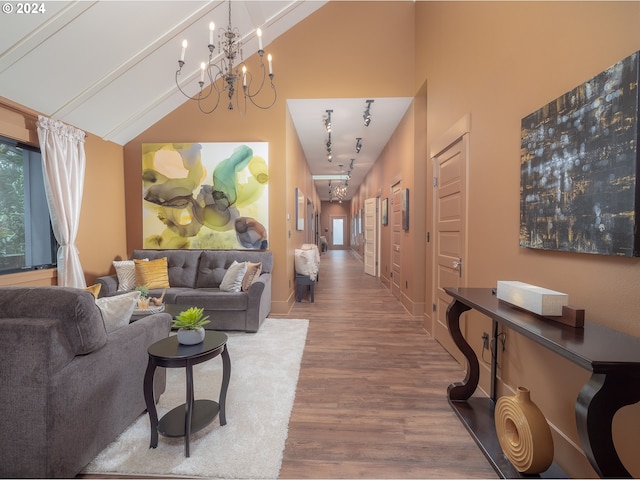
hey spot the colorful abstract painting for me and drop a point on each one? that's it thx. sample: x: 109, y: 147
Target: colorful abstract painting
x: 579, y: 166
x: 205, y: 195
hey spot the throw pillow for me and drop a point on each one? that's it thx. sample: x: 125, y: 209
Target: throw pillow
x: 232, y: 280
x: 253, y: 272
x: 305, y: 263
x: 125, y: 270
x: 116, y: 311
x: 152, y: 273
x: 95, y: 289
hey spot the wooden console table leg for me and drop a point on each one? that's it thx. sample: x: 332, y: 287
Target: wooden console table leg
x: 598, y: 401
x: 462, y: 390
x: 151, y: 404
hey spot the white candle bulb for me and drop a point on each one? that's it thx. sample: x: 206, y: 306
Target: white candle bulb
x: 244, y: 76
x: 203, y: 67
x: 259, y: 32
x: 184, y: 50
x: 269, y: 58
x: 212, y: 27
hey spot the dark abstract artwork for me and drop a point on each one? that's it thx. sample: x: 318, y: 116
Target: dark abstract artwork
x: 205, y: 195
x: 579, y: 164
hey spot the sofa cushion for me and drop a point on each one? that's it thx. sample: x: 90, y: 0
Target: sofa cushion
x: 152, y: 273
x: 266, y: 258
x: 214, y: 264
x: 126, y: 273
x: 213, y: 299
x: 75, y: 308
x: 116, y: 311
x: 94, y: 289
x: 182, y: 264
x: 253, y: 272
x: 232, y: 280
x: 211, y: 270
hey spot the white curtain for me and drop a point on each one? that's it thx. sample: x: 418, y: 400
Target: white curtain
x: 63, y: 164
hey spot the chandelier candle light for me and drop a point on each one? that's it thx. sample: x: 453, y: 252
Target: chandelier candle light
x: 227, y: 73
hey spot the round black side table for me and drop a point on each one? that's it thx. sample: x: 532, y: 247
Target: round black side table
x: 193, y: 415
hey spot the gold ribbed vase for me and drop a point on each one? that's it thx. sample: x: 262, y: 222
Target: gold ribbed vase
x: 523, y: 432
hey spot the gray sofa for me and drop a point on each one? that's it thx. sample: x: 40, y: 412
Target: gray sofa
x: 195, y: 277
x: 69, y: 388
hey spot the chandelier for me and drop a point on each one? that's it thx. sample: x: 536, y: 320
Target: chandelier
x: 339, y: 191
x: 227, y: 77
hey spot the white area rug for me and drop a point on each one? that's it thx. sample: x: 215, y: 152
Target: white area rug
x: 264, y: 375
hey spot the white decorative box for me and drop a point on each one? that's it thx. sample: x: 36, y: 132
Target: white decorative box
x: 534, y: 299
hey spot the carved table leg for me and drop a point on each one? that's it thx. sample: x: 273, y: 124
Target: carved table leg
x: 598, y: 401
x: 150, y: 402
x: 462, y: 390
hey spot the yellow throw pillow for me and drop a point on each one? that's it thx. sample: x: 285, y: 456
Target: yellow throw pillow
x: 95, y: 289
x: 253, y: 272
x: 153, y: 273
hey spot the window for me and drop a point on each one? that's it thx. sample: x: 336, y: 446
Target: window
x: 26, y: 237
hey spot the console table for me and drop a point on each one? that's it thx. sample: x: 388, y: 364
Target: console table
x: 612, y: 357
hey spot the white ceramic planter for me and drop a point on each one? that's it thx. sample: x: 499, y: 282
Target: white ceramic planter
x: 190, y: 337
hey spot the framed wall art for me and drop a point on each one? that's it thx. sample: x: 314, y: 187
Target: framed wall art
x: 299, y: 210
x: 385, y: 211
x: 579, y: 167
x: 205, y: 195
x: 405, y: 208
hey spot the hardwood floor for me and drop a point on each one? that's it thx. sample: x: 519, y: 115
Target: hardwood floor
x: 371, y: 398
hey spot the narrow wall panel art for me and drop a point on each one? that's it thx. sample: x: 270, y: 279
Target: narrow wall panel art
x: 205, y: 195
x: 579, y: 168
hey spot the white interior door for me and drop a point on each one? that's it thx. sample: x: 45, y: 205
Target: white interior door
x: 371, y: 236
x: 450, y: 247
x: 338, y: 231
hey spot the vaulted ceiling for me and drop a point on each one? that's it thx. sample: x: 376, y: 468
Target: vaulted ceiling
x: 108, y: 67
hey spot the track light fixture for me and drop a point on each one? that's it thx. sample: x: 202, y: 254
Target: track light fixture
x: 327, y: 121
x: 328, y: 145
x: 367, y: 113
x: 358, y: 144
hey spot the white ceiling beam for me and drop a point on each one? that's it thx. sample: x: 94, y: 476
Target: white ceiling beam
x: 136, y: 58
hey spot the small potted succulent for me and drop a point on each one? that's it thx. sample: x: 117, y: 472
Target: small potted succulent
x: 190, y: 324
x: 143, y: 301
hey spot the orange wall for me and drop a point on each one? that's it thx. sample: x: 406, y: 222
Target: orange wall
x: 498, y: 62
x: 101, y: 236
x: 298, y: 177
x: 304, y: 68
x: 402, y: 160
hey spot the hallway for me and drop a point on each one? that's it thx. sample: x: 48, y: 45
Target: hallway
x: 371, y: 398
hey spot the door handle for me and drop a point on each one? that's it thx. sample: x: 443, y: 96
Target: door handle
x: 457, y: 264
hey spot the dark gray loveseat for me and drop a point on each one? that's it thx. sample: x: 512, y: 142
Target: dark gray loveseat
x: 195, y: 277
x: 68, y: 388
